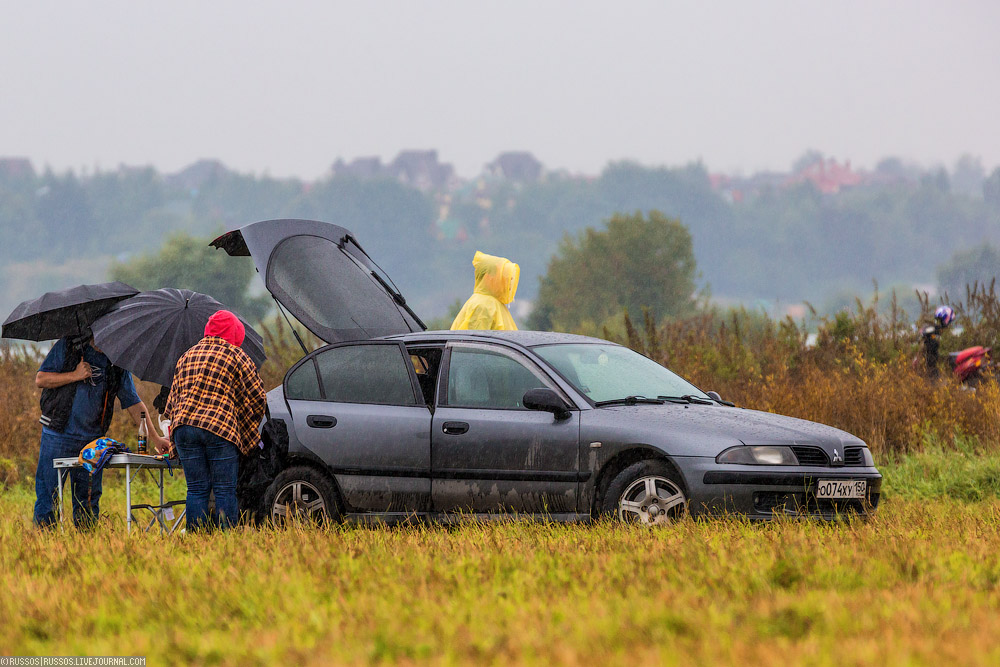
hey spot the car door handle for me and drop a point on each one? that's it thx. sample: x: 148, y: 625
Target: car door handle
x: 455, y: 428
x: 321, y: 421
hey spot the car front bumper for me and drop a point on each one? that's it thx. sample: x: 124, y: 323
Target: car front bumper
x: 764, y: 492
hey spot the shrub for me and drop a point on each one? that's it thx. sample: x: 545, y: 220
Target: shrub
x: 855, y: 373
x: 858, y: 374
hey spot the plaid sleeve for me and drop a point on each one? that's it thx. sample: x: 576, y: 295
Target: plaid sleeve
x: 256, y: 397
x: 171, y: 401
x: 251, y: 400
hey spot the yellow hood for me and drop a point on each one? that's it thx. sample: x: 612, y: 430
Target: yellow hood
x: 496, y: 276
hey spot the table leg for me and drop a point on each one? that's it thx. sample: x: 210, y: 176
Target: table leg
x: 162, y: 527
x: 128, y: 498
x: 59, y: 481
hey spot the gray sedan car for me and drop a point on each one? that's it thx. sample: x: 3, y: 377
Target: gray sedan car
x: 390, y: 421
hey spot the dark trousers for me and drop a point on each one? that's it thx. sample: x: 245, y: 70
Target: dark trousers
x: 86, y: 487
x: 211, y: 464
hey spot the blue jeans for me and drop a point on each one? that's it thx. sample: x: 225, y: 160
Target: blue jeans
x: 210, y: 464
x: 86, y: 487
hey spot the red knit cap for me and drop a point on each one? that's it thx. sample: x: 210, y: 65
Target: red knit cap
x: 226, y: 325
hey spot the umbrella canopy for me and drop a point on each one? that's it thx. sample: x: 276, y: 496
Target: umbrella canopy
x: 147, y: 333
x: 67, y: 312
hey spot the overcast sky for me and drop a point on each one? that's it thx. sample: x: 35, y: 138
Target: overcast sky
x: 287, y: 87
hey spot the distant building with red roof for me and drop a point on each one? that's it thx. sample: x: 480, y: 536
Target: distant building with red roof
x: 827, y: 175
x: 16, y: 167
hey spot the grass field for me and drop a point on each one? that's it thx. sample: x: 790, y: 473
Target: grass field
x: 920, y: 583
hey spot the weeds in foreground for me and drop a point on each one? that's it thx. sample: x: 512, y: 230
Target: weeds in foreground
x: 918, y: 583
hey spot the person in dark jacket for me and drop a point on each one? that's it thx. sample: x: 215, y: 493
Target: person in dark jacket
x: 931, y: 335
x: 79, y: 387
x: 215, y: 407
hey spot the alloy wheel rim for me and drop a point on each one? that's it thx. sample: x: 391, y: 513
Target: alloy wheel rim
x: 651, y: 501
x: 300, y: 500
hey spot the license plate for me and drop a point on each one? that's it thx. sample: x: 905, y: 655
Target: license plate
x: 841, y: 488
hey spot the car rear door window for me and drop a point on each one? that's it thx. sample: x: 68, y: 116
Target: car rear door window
x: 480, y: 378
x: 367, y: 373
x: 303, y: 383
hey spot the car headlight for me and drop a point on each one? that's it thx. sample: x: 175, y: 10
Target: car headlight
x: 761, y: 455
x: 869, y: 459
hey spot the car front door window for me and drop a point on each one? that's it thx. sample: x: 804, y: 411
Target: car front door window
x: 480, y: 378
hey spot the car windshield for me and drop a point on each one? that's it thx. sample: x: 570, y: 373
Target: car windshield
x: 606, y: 372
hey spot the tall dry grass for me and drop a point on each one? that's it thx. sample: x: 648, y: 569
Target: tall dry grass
x: 18, y: 409
x: 283, y: 348
x: 858, y: 373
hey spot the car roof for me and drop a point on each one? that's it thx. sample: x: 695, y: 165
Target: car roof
x: 522, y: 338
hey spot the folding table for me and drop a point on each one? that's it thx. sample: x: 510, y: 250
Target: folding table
x: 133, y: 464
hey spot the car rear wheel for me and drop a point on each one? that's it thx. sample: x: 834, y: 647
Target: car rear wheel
x: 646, y: 493
x: 301, y: 493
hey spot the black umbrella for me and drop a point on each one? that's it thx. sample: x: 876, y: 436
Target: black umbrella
x: 149, y: 332
x: 67, y: 312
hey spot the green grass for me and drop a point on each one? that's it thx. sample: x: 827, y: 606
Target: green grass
x: 963, y: 472
x: 919, y: 583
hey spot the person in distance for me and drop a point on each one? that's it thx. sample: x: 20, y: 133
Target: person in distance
x: 489, y: 305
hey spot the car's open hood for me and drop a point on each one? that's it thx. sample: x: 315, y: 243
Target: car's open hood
x: 320, y: 273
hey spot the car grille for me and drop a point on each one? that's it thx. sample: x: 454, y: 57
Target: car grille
x: 853, y: 456
x: 811, y: 456
x: 806, y: 504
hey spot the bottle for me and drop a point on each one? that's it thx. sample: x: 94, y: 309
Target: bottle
x: 143, y: 433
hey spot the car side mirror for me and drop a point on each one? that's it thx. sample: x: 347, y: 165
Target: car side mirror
x: 545, y: 400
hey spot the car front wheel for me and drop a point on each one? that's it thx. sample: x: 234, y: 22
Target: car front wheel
x: 302, y: 493
x: 646, y: 493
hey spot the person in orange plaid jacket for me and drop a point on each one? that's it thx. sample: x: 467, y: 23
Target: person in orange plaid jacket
x: 215, y: 406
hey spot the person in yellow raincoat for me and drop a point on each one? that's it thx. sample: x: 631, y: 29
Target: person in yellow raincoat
x: 496, y: 283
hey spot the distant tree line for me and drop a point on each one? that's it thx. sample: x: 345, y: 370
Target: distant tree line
x: 780, y: 242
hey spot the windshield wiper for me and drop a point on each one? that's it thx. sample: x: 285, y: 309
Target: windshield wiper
x: 630, y: 400
x: 688, y: 398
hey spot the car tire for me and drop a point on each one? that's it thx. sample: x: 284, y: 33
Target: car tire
x: 301, y: 493
x: 647, y: 492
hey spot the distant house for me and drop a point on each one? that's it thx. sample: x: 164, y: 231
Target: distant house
x: 362, y: 168
x: 16, y: 167
x: 422, y: 170
x: 737, y: 189
x: 193, y: 177
x: 125, y: 170
x: 828, y: 176
x: 516, y: 166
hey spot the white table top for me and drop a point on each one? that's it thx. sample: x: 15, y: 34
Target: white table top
x: 120, y: 461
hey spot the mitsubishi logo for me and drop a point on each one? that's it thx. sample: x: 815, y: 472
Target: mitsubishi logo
x: 837, y: 458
